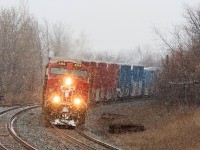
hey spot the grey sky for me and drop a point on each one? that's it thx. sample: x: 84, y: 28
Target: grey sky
x: 111, y: 24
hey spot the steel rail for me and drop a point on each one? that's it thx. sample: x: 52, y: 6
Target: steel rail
x: 2, y: 147
x: 2, y: 113
x: 11, y: 130
x: 72, y: 139
x: 106, y: 145
x: 101, y: 143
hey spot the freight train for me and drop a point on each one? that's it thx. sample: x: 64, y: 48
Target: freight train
x: 71, y: 85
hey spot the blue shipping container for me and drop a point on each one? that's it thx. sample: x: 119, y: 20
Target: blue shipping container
x: 136, y: 81
x: 149, y: 82
x: 125, y: 80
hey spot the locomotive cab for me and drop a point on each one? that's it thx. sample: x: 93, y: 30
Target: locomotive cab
x: 65, y: 92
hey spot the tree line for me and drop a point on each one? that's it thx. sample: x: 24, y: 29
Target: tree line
x: 180, y: 70
x: 26, y: 44
x: 22, y: 50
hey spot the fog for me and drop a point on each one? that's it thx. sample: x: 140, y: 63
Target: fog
x: 111, y: 25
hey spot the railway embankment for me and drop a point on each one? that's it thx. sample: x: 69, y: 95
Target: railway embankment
x: 160, y: 127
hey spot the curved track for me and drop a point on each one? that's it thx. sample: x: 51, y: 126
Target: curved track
x: 9, y: 140
x: 82, y: 140
x: 106, y: 145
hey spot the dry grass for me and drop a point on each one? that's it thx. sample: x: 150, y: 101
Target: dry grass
x: 165, y: 129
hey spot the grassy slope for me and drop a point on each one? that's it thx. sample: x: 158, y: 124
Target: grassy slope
x: 165, y: 129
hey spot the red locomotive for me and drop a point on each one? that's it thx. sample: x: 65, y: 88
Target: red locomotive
x: 65, y: 92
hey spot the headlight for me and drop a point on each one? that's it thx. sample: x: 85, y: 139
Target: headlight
x: 68, y: 81
x: 77, y: 101
x: 56, y: 99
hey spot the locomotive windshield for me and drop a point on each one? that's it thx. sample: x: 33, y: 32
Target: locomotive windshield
x: 60, y: 71
x: 82, y: 73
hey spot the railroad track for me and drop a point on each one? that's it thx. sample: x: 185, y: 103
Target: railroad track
x: 82, y: 140
x: 9, y: 139
x: 104, y: 144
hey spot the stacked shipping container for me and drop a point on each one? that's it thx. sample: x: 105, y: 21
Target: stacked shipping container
x: 149, y: 81
x: 112, y: 81
x: 124, y: 81
x: 103, y: 81
x: 136, y: 81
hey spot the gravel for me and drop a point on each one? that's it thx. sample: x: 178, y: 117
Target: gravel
x: 159, y: 122
x: 30, y: 127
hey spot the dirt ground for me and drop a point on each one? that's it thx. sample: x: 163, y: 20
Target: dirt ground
x: 175, y: 128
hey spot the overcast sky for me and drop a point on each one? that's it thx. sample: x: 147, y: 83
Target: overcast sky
x: 111, y: 24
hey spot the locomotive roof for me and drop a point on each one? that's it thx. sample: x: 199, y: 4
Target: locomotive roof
x: 54, y: 59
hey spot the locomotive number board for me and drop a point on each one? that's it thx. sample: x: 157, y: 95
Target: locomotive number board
x: 77, y: 65
x: 61, y: 63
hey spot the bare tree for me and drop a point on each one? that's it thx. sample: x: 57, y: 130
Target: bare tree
x: 59, y: 40
x: 21, y: 53
x: 178, y: 68
x: 64, y: 43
